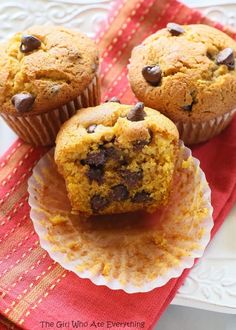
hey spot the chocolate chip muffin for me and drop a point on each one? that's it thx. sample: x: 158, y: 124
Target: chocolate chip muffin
x: 117, y: 158
x: 187, y: 73
x: 46, y: 74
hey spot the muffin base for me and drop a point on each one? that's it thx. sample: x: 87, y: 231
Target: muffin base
x: 41, y: 129
x: 135, y: 252
x: 192, y: 133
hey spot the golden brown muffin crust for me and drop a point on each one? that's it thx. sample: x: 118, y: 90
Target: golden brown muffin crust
x: 191, y: 78
x: 74, y: 130
x: 55, y: 73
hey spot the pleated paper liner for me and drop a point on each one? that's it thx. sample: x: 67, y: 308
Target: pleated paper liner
x: 135, y: 252
x: 41, y: 129
x: 192, y: 133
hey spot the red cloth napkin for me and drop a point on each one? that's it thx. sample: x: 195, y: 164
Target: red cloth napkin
x: 36, y: 293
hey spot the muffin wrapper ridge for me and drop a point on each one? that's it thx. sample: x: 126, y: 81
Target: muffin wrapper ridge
x: 41, y: 129
x: 136, y: 252
x: 192, y: 133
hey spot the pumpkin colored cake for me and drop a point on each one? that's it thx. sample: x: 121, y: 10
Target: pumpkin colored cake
x: 117, y: 158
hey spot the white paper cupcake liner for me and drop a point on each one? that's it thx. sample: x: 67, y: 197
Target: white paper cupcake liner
x: 192, y: 133
x: 136, y: 252
x: 41, y: 129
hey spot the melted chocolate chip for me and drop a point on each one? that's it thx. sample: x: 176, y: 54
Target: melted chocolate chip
x: 113, y: 99
x: 141, y: 197
x: 226, y: 56
x: 95, y: 174
x: 175, y: 29
x: 98, y: 203
x: 112, y: 153
x: 96, y: 158
x: 138, y: 145
x: 152, y: 74
x: 91, y: 129
x: 119, y: 193
x: 29, y: 43
x: 132, y: 179
x: 124, y: 160
x: 137, y: 113
x: 23, y: 102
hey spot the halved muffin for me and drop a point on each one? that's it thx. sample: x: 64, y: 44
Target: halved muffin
x: 117, y: 158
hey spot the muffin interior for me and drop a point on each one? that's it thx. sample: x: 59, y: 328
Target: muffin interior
x: 123, y: 167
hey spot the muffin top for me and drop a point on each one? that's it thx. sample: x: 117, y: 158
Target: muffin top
x: 186, y: 72
x: 43, y: 68
x: 101, y: 121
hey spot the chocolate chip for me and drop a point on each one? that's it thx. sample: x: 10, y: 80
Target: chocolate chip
x: 29, y: 43
x: 124, y: 160
x: 110, y: 152
x: 138, y: 145
x: 226, y: 56
x: 96, y: 158
x: 187, y: 107
x: 95, y: 174
x: 91, y: 129
x: 175, y: 29
x: 119, y: 193
x: 141, y: 197
x: 98, y: 203
x: 82, y: 162
x: 113, y: 99
x: 113, y: 153
x: 152, y: 74
x: 23, y: 102
x: 137, y: 113
x: 132, y: 179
